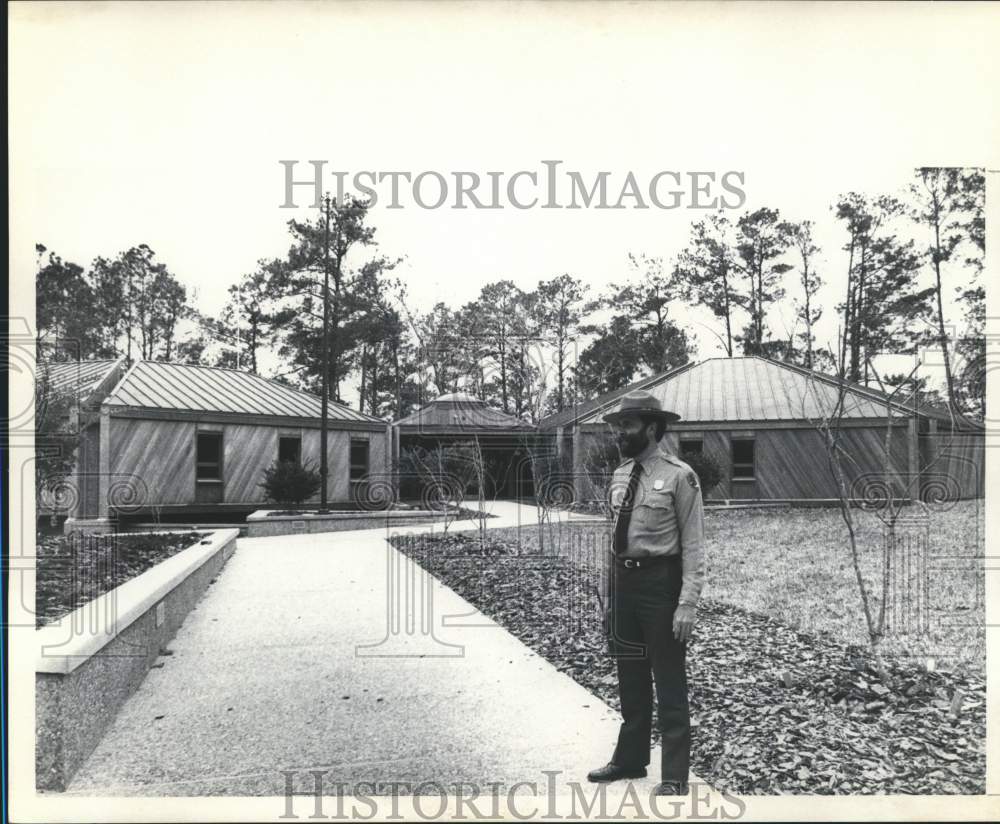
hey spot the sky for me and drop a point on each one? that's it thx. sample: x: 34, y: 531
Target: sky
x: 164, y: 124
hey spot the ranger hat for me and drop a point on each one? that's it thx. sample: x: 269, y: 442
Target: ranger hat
x: 641, y: 403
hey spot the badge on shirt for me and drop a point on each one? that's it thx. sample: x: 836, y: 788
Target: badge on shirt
x: 658, y: 484
x: 692, y: 480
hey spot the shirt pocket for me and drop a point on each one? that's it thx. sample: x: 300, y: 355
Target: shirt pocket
x: 656, y: 508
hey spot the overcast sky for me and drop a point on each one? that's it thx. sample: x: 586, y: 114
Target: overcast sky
x: 165, y: 124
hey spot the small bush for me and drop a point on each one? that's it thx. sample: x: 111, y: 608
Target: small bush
x: 706, y: 468
x: 290, y: 483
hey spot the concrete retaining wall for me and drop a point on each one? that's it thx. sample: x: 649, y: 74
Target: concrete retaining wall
x: 93, y: 659
x: 262, y: 525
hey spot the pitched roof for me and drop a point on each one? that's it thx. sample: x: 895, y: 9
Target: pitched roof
x: 459, y: 411
x: 84, y: 379
x: 176, y: 386
x: 577, y: 411
x: 745, y: 389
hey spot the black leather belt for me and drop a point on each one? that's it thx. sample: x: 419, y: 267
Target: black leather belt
x: 652, y: 560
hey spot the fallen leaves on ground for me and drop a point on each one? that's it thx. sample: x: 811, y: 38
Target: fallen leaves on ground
x: 774, y: 710
x: 71, y: 571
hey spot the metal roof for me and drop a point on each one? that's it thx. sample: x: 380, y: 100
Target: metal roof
x: 80, y: 378
x: 459, y: 411
x: 747, y: 389
x: 176, y: 386
x: 571, y: 414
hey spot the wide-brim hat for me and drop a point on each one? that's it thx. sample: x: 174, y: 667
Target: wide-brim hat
x: 641, y: 403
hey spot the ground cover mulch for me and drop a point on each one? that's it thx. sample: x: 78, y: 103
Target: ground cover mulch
x: 71, y: 571
x: 775, y: 710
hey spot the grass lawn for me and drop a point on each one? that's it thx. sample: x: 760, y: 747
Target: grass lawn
x: 795, y: 565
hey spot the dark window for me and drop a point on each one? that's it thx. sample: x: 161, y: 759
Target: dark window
x: 359, y: 460
x: 290, y: 448
x: 691, y: 446
x: 743, y: 463
x: 209, y: 457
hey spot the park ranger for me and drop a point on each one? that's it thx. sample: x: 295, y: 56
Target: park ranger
x: 655, y: 581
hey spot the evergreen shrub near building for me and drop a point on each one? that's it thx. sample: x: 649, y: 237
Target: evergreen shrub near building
x: 289, y: 483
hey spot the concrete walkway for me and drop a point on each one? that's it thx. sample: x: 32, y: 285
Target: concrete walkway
x: 290, y: 662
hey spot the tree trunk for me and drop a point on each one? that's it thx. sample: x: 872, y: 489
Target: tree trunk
x: 942, y: 334
x: 848, y: 310
x: 729, y: 329
x: 809, y: 345
x: 364, y: 375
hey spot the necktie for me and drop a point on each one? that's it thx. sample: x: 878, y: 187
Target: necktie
x: 625, y: 511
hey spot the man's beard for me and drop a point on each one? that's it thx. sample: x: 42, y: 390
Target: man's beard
x: 633, y: 445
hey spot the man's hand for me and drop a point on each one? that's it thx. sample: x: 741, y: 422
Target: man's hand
x: 684, y: 619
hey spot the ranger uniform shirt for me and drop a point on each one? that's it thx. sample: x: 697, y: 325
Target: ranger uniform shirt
x: 667, y: 517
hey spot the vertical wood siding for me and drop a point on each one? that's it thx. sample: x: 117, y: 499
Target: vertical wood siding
x: 247, y: 451
x: 792, y: 463
x: 160, y: 453
x: 378, y: 455
x: 337, y: 457
x: 953, y: 463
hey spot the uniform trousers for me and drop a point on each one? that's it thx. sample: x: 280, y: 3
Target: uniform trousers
x: 641, y: 637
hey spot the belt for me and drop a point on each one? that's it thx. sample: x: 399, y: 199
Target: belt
x: 652, y: 560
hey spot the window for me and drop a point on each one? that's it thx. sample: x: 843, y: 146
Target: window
x: 690, y: 446
x: 209, y: 456
x: 290, y: 448
x: 743, y: 454
x: 359, y: 460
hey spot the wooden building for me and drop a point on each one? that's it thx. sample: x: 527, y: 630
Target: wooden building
x: 76, y: 389
x: 460, y: 418
x: 761, y: 421
x: 174, y: 439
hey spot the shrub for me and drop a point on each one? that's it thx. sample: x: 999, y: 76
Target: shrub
x: 290, y: 482
x: 706, y: 468
x: 438, y: 474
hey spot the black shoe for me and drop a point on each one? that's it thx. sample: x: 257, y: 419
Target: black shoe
x: 672, y: 788
x: 612, y: 772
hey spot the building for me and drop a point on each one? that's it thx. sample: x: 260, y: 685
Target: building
x: 761, y: 421
x: 462, y: 419
x: 76, y: 390
x: 193, y: 441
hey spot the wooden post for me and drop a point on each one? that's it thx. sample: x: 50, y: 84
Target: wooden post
x: 77, y: 475
x: 578, y: 488
x: 933, y: 448
x: 913, y: 455
x: 104, y: 469
x: 388, y: 465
